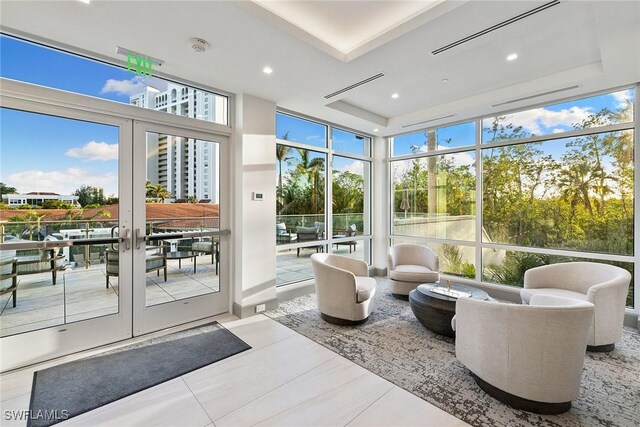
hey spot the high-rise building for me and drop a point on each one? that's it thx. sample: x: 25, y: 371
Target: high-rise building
x: 186, y: 167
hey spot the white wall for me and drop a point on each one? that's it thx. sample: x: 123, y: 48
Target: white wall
x: 253, y: 170
x: 380, y: 209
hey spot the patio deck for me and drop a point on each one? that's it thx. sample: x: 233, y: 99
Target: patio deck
x: 81, y: 293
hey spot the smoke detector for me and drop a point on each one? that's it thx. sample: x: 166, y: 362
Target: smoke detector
x: 198, y: 44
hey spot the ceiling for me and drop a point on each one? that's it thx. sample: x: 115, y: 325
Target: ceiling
x: 316, y: 48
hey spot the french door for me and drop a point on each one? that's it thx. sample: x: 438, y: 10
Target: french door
x: 184, y: 241
x: 96, y: 245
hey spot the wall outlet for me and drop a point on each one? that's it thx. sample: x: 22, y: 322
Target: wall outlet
x: 257, y: 196
x: 260, y: 308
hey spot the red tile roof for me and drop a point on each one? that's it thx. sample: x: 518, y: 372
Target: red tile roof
x: 155, y: 211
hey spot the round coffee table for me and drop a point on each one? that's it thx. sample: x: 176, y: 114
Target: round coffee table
x: 434, y: 304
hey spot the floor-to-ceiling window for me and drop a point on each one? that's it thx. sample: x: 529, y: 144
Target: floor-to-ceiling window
x: 505, y: 193
x: 323, y: 186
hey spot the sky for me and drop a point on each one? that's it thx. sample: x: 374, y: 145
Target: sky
x: 44, y: 153
x: 538, y: 121
x: 54, y: 154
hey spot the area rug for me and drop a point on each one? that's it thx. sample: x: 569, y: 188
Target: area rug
x: 70, y: 389
x: 395, y: 346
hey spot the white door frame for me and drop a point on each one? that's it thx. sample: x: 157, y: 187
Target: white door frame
x: 161, y: 316
x: 45, y: 344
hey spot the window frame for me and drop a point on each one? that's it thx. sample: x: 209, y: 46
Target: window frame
x: 328, y: 242
x: 121, y: 64
x: 479, y: 146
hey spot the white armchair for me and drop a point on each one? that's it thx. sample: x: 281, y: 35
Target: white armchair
x: 343, y: 289
x: 605, y: 286
x: 527, y: 356
x: 408, y: 266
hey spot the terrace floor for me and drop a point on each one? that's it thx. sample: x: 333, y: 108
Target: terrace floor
x: 80, y: 293
x: 291, y: 268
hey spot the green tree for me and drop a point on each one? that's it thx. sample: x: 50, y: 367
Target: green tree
x: 56, y: 204
x: 313, y: 169
x: 89, y: 195
x: 348, y: 192
x: 282, y: 151
x: 5, y: 189
x: 157, y: 191
x: 30, y: 222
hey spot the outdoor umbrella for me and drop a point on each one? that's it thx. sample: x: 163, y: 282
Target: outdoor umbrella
x: 404, y: 204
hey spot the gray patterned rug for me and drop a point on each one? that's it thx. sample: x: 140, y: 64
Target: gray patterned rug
x: 395, y: 346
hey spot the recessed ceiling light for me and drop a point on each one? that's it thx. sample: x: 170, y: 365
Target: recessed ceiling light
x: 85, y: 1
x: 375, y: 130
x: 444, y: 81
x: 395, y: 95
x: 512, y: 57
x: 267, y: 70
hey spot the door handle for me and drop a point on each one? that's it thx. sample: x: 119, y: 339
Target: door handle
x: 126, y: 239
x: 139, y: 238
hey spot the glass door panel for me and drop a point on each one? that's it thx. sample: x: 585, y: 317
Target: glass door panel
x: 180, y: 238
x: 60, y: 218
x: 181, y: 194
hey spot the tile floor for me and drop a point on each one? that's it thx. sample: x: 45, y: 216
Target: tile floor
x: 284, y: 380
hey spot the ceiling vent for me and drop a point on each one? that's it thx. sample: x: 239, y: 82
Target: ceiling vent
x: 495, y: 27
x: 427, y: 121
x: 355, y: 85
x: 525, y: 98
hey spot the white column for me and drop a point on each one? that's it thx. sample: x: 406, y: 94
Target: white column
x: 254, y: 245
x: 381, y: 207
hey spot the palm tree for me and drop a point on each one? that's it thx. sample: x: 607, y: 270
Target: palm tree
x: 312, y: 168
x: 281, y: 155
x: 157, y: 191
x: 31, y: 220
x: 574, y: 183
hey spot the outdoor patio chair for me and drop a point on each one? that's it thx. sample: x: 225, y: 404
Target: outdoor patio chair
x: 155, y: 261
x: 283, y: 235
x: 78, y: 259
x: 208, y: 247
x: 307, y: 234
x: 349, y: 232
x: 8, y: 274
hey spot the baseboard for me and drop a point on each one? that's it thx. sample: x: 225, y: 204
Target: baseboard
x: 374, y: 271
x: 243, y: 311
x: 295, y: 290
x: 632, y: 320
